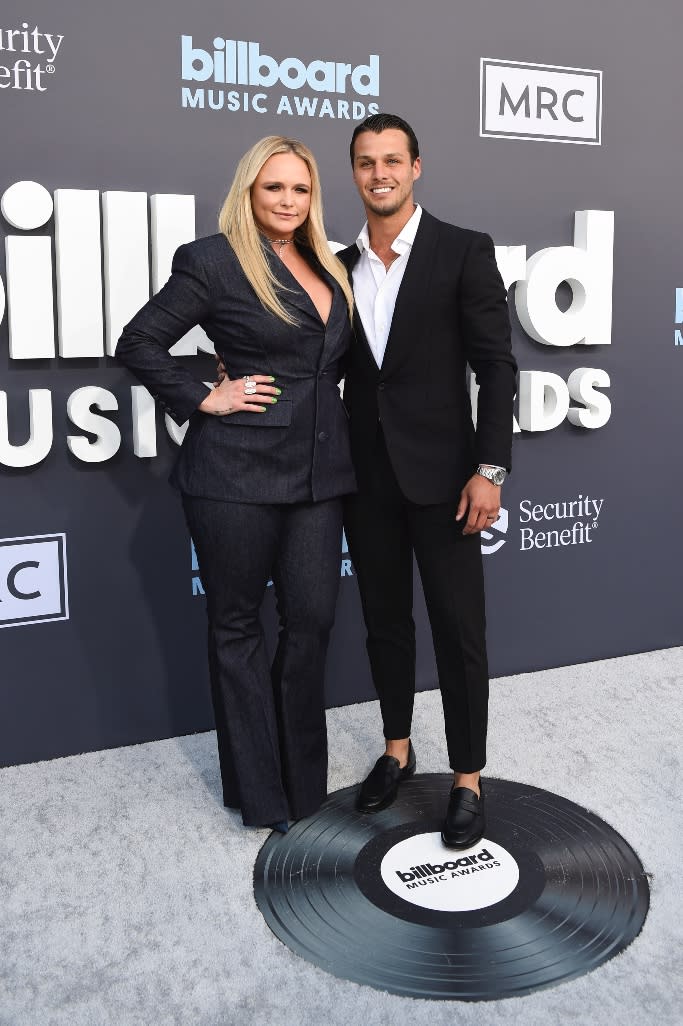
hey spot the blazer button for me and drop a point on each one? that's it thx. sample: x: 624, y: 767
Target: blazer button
x: 380, y: 387
x: 322, y: 437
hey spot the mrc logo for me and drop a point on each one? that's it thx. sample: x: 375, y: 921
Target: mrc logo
x: 540, y: 101
x: 33, y: 581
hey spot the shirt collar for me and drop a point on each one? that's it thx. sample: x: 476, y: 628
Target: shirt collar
x: 403, y: 241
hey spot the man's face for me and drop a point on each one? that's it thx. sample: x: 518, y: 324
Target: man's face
x: 383, y: 171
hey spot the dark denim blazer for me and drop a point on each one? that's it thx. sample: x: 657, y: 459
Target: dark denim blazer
x: 298, y: 450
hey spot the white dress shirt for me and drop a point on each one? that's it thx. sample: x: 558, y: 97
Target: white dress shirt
x: 375, y: 288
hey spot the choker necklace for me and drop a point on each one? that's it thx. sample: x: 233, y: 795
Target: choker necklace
x: 279, y: 242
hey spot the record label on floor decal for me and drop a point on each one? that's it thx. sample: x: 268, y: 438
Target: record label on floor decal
x: 435, y: 878
x: 548, y: 894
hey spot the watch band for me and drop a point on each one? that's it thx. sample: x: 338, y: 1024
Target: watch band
x: 496, y: 475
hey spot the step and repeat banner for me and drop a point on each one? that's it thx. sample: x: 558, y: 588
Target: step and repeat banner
x: 556, y: 131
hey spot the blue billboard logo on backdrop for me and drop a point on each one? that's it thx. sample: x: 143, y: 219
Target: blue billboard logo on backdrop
x: 678, y: 318
x: 233, y: 62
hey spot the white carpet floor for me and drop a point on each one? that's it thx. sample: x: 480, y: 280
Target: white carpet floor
x: 126, y: 889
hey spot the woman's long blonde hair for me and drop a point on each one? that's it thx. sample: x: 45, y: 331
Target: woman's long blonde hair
x: 236, y: 221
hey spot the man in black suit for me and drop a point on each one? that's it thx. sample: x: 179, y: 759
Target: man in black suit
x: 429, y: 301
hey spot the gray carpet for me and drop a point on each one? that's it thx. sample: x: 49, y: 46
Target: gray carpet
x: 126, y: 888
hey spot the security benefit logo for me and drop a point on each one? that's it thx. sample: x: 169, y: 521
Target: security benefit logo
x: 27, y: 57
x: 540, y: 101
x: 232, y: 75
x: 495, y: 536
x: 422, y: 871
x: 33, y: 581
x: 559, y: 524
x: 556, y: 524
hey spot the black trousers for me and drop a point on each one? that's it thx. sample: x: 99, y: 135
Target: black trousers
x: 383, y: 530
x: 270, y: 720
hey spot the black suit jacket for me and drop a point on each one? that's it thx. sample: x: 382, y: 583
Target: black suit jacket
x: 451, y: 311
x: 298, y: 449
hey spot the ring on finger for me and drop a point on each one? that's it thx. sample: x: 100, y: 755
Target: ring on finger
x: 250, y: 388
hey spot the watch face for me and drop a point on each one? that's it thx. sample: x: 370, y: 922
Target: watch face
x: 498, y: 477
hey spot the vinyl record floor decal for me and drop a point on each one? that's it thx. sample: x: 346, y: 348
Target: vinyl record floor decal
x: 548, y: 894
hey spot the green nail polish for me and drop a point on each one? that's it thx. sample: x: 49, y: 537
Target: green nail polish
x: 279, y: 391
x: 274, y: 400
x: 271, y: 379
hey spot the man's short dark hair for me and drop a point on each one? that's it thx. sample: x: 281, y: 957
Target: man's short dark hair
x: 380, y: 123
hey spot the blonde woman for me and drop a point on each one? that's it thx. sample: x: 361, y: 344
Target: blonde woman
x: 263, y: 466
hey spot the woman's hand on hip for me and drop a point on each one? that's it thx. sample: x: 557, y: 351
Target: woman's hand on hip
x: 247, y: 393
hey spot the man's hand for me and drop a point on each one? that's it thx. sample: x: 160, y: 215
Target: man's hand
x: 482, y: 498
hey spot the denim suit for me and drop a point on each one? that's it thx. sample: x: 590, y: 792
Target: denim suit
x: 261, y: 493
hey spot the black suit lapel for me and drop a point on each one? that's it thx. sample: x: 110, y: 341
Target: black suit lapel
x: 408, y: 319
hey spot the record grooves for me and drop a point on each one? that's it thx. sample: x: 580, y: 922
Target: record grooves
x: 550, y: 893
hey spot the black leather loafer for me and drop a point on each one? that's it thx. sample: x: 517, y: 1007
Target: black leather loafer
x: 380, y: 787
x: 465, y: 820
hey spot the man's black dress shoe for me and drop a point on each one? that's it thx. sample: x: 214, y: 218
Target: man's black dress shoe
x: 380, y: 787
x: 465, y: 821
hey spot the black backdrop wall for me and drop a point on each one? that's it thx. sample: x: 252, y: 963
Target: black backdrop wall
x: 129, y: 120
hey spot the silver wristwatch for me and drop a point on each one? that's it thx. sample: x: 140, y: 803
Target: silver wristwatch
x: 495, y: 474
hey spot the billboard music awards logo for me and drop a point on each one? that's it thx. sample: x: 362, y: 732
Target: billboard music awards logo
x: 33, y: 581
x: 540, y: 101
x: 678, y: 318
x: 96, y: 271
x: 94, y: 259
x: 27, y: 57
x: 423, y: 872
x: 320, y: 88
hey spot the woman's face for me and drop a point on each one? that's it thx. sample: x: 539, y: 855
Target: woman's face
x: 281, y: 195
